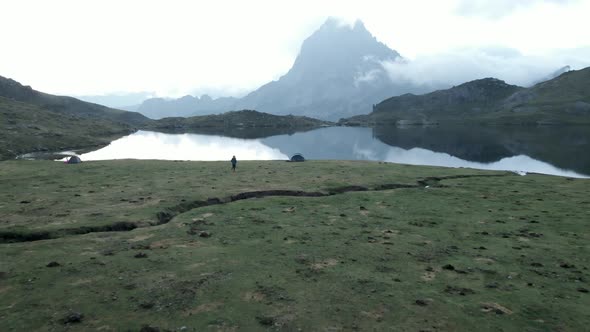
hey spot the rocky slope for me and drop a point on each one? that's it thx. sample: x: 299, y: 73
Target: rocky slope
x: 562, y: 100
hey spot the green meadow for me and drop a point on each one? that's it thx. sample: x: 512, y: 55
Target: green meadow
x: 316, y: 246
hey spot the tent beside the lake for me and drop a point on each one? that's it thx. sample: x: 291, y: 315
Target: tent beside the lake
x: 297, y: 157
x: 73, y: 160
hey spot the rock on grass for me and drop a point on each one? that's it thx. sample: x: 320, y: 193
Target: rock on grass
x: 72, y: 317
x: 265, y: 320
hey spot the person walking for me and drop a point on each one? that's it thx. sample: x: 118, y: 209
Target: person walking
x: 234, y: 161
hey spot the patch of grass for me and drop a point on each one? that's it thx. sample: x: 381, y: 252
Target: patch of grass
x: 53, y: 196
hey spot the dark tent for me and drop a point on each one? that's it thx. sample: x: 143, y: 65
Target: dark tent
x: 297, y: 157
x: 74, y: 160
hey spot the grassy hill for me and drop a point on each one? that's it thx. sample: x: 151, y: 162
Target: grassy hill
x: 243, y: 124
x: 357, y: 246
x: 15, y: 91
x: 25, y: 127
x: 562, y: 100
x: 33, y: 121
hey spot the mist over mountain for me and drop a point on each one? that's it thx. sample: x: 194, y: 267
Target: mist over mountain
x: 553, y: 75
x: 338, y: 73
x: 342, y: 70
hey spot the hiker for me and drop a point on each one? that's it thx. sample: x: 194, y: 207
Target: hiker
x: 234, y: 161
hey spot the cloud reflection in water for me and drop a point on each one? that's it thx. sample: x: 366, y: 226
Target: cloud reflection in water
x: 152, y: 145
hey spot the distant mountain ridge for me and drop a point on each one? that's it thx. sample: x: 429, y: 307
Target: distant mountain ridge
x: 562, y: 100
x: 186, y: 106
x: 128, y: 101
x: 338, y: 73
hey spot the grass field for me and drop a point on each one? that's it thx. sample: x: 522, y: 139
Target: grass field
x: 378, y: 247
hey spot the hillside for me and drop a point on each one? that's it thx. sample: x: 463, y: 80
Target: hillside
x: 26, y: 127
x: 13, y: 90
x: 566, y: 97
x: 562, y: 100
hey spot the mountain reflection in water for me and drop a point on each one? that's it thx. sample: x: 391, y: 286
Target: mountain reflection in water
x: 553, y: 150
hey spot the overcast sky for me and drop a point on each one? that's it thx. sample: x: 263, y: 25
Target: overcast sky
x: 223, y: 47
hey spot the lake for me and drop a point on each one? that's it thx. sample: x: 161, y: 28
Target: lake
x: 560, y: 151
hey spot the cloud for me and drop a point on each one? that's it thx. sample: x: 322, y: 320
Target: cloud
x: 493, y: 9
x: 459, y: 66
x: 367, y: 77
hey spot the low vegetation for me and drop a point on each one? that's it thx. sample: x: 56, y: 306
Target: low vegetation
x: 328, y: 245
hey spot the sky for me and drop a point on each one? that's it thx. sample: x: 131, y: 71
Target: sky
x: 171, y: 48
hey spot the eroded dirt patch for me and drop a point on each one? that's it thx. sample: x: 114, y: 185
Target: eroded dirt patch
x: 205, y: 307
x: 495, y: 307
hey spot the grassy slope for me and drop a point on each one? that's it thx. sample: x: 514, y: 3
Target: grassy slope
x: 237, y: 120
x: 563, y: 100
x: 13, y: 90
x: 568, y: 87
x: 25, y: 127
x: 455, y: 102
x: 355, y: 261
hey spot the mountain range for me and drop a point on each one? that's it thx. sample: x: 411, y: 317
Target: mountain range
x: 158, y: 108
x: 338, y: 73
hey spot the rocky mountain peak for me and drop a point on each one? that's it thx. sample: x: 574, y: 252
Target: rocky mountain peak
x: 337, y: 48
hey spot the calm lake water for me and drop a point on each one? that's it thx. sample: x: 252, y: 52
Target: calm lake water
x: 550, y: 150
